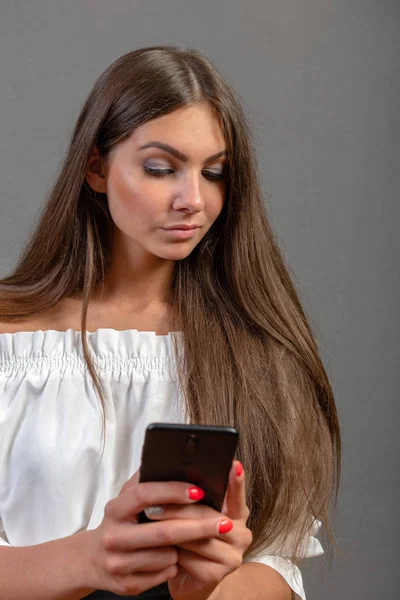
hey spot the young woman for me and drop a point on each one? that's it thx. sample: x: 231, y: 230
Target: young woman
x: 153, y: 290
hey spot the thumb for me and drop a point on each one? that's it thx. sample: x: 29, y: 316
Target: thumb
x: 235, y: 498
x: 131, y: 481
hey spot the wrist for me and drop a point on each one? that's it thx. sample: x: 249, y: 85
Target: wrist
x: 82, y: 565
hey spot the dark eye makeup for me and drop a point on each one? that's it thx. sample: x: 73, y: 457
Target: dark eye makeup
x: 153, y: 172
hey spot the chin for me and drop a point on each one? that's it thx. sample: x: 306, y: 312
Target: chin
x: 176, y: 253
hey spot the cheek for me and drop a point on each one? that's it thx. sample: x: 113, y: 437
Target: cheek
x: 216, y: 202
x: 129, y: 198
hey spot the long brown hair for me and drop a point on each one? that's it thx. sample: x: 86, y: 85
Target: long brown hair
x: 249, y: 358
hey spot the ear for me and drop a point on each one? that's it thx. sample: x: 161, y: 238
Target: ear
x: 95, y: 173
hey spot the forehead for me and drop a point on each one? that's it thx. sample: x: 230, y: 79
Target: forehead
x: 188, y: 128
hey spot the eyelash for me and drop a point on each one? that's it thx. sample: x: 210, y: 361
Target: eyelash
x: 164, y: 172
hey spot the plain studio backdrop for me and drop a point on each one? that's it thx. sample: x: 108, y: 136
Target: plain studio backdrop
x: 320, y: 82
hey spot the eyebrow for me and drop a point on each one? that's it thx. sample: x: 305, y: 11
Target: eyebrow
x: 178, y: 154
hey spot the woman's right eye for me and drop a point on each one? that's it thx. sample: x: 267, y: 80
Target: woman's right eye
x: 153, y: 172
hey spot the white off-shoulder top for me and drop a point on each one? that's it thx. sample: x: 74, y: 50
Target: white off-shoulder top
x: 53, y: 480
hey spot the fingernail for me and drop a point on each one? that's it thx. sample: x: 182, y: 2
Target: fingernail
x: 239, y: 469
x: 224, y: 526
x: 195, y: 493
x: 154, y: 511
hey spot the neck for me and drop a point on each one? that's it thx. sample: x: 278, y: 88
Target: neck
x: 136, y: 278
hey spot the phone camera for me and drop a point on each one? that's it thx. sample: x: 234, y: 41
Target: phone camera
x: 190, y: 450
x: 191, y: 445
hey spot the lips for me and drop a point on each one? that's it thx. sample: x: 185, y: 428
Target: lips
x: 182, y: 227
x: 180, y: 233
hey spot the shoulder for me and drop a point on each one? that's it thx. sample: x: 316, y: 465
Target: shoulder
x: 29, y: 324
x: 60, y: 317
x: 11, y: 326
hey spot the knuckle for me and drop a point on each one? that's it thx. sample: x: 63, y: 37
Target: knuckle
x: 248, y: 537
x: 172, y: 572
x: 140, y: 495
x: 171, y: 555
x: 109, y: 509
x: 124, y: 587
x: 212, y: 574
x: 166, y: 534
x: 246, y: 513
x: 124, y: 487
x: 108, y: 540
x: 237, y: 560
x: 114, y: 565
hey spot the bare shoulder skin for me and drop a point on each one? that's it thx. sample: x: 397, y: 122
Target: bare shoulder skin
x: 66, y: 314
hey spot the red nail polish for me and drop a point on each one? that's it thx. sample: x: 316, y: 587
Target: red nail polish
x: 225, y: 525
x: 239, y: 469
x: 195, y: 493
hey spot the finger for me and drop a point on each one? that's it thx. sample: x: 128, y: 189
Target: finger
x: 206, y: 571
x: 131, y: 482
x: 154, y: 559
x: 127, y: 537
x: 231, y: 546
x: 175, y: 511
x: 139, y: 582
x: 235, y: 498
x: 137, y: 497
x: 212, y: 549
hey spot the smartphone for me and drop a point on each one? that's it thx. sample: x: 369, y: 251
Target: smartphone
x: 197, y: 454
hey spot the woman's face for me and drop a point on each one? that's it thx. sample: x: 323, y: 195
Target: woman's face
x: 151, y: 189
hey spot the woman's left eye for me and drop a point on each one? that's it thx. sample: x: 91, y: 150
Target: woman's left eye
x: 212, y: 175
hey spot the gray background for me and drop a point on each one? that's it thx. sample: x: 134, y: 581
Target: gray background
x: 320, y: 82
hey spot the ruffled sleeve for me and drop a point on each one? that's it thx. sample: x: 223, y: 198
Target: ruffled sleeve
x: 285, y: 567
x: 3, y: 537
x: 52, y: 481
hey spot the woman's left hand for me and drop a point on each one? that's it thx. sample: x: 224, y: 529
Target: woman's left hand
x: 203, y: 564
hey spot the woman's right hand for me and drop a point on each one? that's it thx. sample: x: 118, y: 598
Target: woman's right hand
x: 127, y: 557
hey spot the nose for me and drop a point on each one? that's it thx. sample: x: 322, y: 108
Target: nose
x: 189, y: 195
